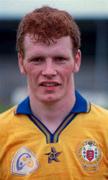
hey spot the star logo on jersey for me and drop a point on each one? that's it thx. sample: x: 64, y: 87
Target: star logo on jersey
x: 53, y: 155
x: 89, y: 154
x: 24, y: 162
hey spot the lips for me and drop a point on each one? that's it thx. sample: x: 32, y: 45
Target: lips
x: 49, y: 84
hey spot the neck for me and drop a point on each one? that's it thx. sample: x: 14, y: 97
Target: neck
x: 54, y: 113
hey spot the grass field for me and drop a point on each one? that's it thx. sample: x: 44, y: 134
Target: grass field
x: 3, y: 108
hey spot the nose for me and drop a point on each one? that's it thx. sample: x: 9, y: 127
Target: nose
x: 49, y: 68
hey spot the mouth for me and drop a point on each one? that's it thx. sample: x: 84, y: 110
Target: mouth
x: 49, y: 84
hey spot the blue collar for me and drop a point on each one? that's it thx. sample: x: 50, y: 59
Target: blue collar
x: 81, y: 105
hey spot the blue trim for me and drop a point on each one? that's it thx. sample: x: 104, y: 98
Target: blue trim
x: 38, y: 123
x: 24, y: 107
x: 52, y: 138
x: 81, y: 105
x: 63, y: 125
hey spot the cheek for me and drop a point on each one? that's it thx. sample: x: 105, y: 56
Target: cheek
x: 31, y: 70
x: 28, y: 68
x: 67, y: 76
x: 67, y: 72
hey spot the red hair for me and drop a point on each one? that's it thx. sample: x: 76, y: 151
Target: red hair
x: 48, y: 24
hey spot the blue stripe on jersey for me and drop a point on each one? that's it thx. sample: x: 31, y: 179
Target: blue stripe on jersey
x: 81, y: 105
x: 52, y: 138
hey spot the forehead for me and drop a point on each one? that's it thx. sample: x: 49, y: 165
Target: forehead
x: 61, y: 45
x: 30, y: 40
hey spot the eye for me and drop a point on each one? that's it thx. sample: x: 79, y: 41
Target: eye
x: 37, y: 60
x: 60, y: 59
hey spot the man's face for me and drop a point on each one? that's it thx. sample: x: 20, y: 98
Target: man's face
x: 49, y: 68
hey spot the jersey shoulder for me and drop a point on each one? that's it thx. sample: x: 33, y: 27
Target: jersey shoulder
x: 6, y: 119
x: 98, y: 110
x: 8, y: 114
x: 99, y: 114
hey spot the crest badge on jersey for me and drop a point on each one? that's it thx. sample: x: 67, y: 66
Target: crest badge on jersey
x: 24, y: 162
x: 89, y: 154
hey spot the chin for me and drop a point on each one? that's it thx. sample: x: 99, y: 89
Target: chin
x: 50, y: 99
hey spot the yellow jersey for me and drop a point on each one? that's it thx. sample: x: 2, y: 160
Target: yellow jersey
x: 77, y: 150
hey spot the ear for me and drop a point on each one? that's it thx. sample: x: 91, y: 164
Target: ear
x: 21, y: 63
x: 77, y: 60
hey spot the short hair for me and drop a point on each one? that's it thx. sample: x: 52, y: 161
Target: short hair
x: 47, y: 24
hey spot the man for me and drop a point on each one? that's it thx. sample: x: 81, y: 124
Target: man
x: 54, y: 133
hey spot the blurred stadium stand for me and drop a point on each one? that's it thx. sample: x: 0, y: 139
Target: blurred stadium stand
x: 92, y: 80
